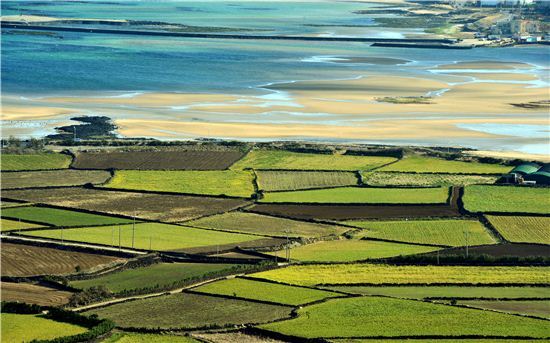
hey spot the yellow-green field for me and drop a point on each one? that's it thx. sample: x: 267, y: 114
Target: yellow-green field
x: 520, y: 229
x: 424, y: 164
x: 27, y: 327
x: 507, y: 199
x: 9, y: 225
x: 35, y: 161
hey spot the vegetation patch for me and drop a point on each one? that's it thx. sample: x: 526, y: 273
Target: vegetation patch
x: 7, y: 204
x: 281, y: 159
x: 522, y: 229
x: 67, y: 177
x: 163, y: 207
x: 28, y: 327
x: 271, y: 180
x: 425, y: 180
x: 184, y: 310
x: 265, y: 291
x: 59, y: 217
x: 309, y: 275
x: 397, y: 318
x: 442, y: 232
x: 507, y: 199
x: 218, y: 182
x: 28, y: 260
x: 348, y: 250
x: 406, y: 100
x: 13, y: 225
x: 424, y: 164
x: 150, y: 236
x: 266, y: 225
x: 34, y: 294
x: 131, y: 337
x: 34, y: 161
x: 363, y: 195
x: 539, y: 308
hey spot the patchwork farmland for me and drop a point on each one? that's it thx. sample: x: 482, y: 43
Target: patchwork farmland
x: 205, y: 243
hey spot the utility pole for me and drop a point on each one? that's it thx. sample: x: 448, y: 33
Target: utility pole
x: 74, y: 133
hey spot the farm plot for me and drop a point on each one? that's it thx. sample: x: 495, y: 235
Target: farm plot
x: 280, y: 159
x: 401, y: 318
x: 28, y: 260
x: 383, y: 274
x: 339, y: 212
x: 348, y: 250
x: 498, y: 250
x: 163, y: 207
x: 266, y: 225
x: 184, y: 310
x: 235, y: 336
x: 441, y: 232
x: 29, y: 327
x: 12, y: 225
x: 451, y: 292
x: 67, y: 177
x: 507, y: 199
x: 59, y: 217
x: 148, y: 277
x: 424, y: 164
x: 157, y: 160
x: 34, y: 161
x: 8, y: 204
x: 271, y: 180
x: 539, y: 308
x: 362, y: 195
x: 33, y: 294
x: 265, y: 291
x: 150, y: 236
x: 522, y: 229
x: 131, y: 337
x: 425, y: 180
x: 217, y: 182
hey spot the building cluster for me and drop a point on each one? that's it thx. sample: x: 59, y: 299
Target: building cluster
x: 528, y: 174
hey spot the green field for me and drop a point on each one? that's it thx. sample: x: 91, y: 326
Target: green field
x: 266, y: 291
x: 348, y: 250
x: 539, y: 308
x: 146, y: 277
x: 519, y: 229
x: 270, y: 180
x: 28, y: 327
x: 409, y: 179
x: 397, y: 317
x: 184, y: 310
x: 59, y: 217
x: 423, y: 164
x: 507, y: 199
x: 130, y: 337
x: 310, y: 275
x: 35, y: 161
x: 151, y: 236
x: 217, y: 182
x: 363, y: 195
x: 266, y: 225
x: 11, y: 225
x: 421, y: 292
x: 442, y: 232
x: 280, y: 159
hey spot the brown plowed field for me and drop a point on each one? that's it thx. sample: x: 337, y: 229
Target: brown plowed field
x: 34, y: 294
x: 163, y: 207
x: 66, y: 177
x: 28, y: 260
x: 157, y: 160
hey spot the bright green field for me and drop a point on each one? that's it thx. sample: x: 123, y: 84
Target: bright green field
x: 149, y: 276
x: 363, y: 195
x: 310, y: 275
x: 58, y: 217
x: 507, y: 199
x: 130, y: 337
x: 27, y: 327
x: 521, y: 229
x: 153, y: 236
x: 421, y: 292
x: 35, y: 162
x: 279, y: 159
x: 539, y: 308
x: 397, y: 317
x: 266, y: 291
x: 9, y: 225
x: 422, y: 164
x: 217, y: 182
x: 347, y: 250
x: 407, y: 179
x: 280, y: 180
x: 266, y: 225
x: 443, y: 232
